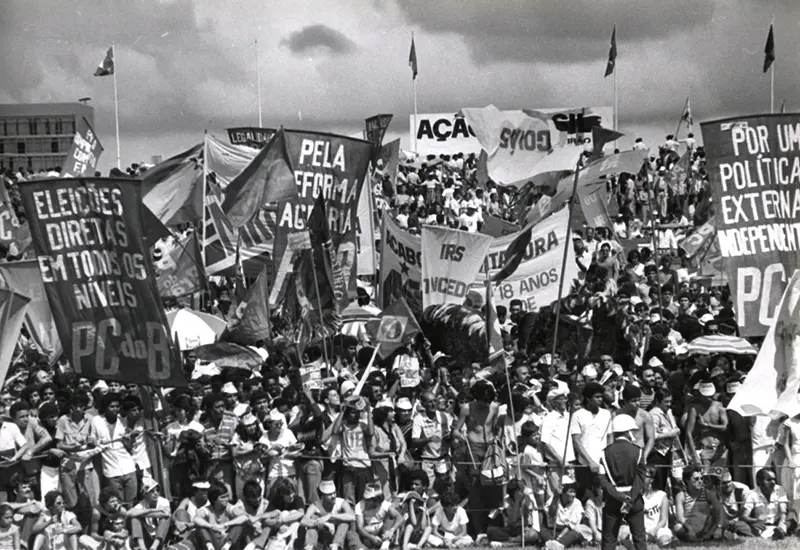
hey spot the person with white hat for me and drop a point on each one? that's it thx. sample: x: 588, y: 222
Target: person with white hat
x: 246, y: 453
x: 232, y: 403
x: 281, y: 447
x: 565, y: 514
x: 150, y: 518
x: 555, y: 436
x: 623, y: 481
x: 183, y: 517
x: 328, y: 520
x: 706, y: 426
x: 377, y: 520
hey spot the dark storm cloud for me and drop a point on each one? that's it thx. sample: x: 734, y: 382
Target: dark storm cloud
x: 554, y: 31
x: 314, y: 37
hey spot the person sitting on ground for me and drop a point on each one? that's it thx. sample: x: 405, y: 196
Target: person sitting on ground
x: 25, y: 506
x: 150, y: 518
x: 9, y: 533
x: 415, y: 512
x: 377, y: 521
x: 738, y: 504
x: 565, y: 514
x: 115, y: 537
x: 183, y: 518
x: 57, y: 527
x: 772, y: 506
x: 252, y: 510
x: 696, y: 514
x: 327, y: 521
x: 519, y: 509
x: 449, y: 523
x: 656, y: 515
x: 285, y: 510
x: 214, y: 522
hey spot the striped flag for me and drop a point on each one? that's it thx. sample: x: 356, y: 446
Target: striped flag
x: 612, y: 53
x: 412, y: 59
x: 769, y: 50
x: 106, y: 67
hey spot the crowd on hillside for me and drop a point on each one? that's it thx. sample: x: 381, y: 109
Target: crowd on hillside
x: 465, y: 455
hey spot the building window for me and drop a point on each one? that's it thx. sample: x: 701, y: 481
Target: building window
x: 3, y: 130
x: 20, y: 147
x: 32, y: 125
x: 11, y: 127
x: 23, y: 127
x: 69, y: 126
x: 2, y: 147
x: 58, y: 127
x: 54, y: 146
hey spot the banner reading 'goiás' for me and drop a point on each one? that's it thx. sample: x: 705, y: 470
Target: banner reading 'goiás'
x: 535, y: 281
x: 334, y: 166
x: 83, y: 154
x: 400, y: 267
x: 99, y: 279
x: 754, y: 170
x: 451, y: 260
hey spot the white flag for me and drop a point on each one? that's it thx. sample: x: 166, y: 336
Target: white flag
x: 451, y: 261
x: 773, y: 382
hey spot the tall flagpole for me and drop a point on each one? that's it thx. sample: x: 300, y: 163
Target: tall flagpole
x: 116, y: 102
x: 616, y: 102
x: 772, y: 71
x: 258, y: 85
x: 414, y: 85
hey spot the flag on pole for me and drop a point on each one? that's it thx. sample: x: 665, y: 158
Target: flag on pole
x: 12, y: 315
x: 687, y: 113
x: 106, y: 67
x: 769, y: 50
x: 412, y: 60
x: 612, y: 53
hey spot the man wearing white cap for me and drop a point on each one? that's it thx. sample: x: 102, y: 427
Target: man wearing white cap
x: 232, y: 403
x: 623, y: 481
x: 150, y: 518
x: 327, y: 521
x: 706, y: 426
x: 184, y: 515
x: 555, y: 434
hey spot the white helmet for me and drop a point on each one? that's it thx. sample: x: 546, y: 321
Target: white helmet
x: 623, y: 423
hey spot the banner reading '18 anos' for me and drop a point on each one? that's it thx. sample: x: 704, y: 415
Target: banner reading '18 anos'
x: 99, y: 280
x: 754, y: 171
x: 334, y: 166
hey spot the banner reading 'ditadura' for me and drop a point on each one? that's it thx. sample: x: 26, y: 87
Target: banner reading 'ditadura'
x: 754, y: 171
x: 451, y: 260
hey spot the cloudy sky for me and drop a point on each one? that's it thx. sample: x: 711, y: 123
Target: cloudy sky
x: 187, y: 65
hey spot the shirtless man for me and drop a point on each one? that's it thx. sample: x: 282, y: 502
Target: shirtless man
x: 706, y: 425
x: 645, y: 435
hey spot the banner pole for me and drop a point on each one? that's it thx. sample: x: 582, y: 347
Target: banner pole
x: 772, y: 75
x: 571, y: 206
x: 319, y: 307
x: 650, y: 193
x: 258, y: 86
x: 616, y: 102
x: 116, y: 104
x: 414, y: 85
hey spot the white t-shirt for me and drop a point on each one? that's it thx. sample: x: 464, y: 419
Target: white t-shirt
x: 115, y: 458
x: 11, y: 439
x: 470, y: 222
x: 285, y: 466
x: 556, y: 433
x: 594, y: 431
x: 450, y: 526
x: 374, y: 523
x: 652, y: 510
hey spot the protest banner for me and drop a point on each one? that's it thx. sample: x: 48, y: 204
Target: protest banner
x: 451, y: 260
x: 535, y: 281
x: 513, y: 141
x: 698, y: 241
x: 497, y: 227
x: 250, y: 136
x: 84, y: 153
x: 406, y: 368
x: 12, y: 315
x: 311, y: 376
x: 753, y: 164
x: 12, y: 232
x: 448, y: 133
x: 365, y: 232
x: 24, y: 278
x: 179, y: 272
x: 99, y: 279
x: 334, y: 166
x: 594, y: 204
x: 376, y: 127
x: 390, y: 155
x: 400, y: 266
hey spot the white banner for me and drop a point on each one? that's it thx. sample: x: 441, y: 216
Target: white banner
x: 513, y: 141
x: 448, y: 133
x: 401, y: 266
x: 365, y: 231
x: 535, y: 281
x: 451, y: 260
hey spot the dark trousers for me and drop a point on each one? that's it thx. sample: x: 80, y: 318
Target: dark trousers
x: 612, y: 521
x: 662, y: 464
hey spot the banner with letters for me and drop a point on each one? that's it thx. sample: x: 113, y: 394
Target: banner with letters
x: 250, y: 136
x: 514, y: 142
x: 99, y: 279
x: 400, y: 266
x: 753, y: 164
x: 451, y: 260
x: 448, y: 133
x: 334, y: 166
x: 84, y: 153
x: 535, y: 281
x: 180, y: 271
x: 12, y: 232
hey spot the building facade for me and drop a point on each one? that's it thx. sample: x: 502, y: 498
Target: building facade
x: 38, y: 136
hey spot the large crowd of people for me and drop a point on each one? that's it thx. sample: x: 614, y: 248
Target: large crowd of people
x: 246, y: 460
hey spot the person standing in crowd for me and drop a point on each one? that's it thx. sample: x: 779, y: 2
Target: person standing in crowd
x: 108, y: 433
x: 590, y: 431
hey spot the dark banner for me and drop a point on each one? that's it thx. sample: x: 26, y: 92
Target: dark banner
x: 334, y: 166
x: 84, y: 153
x: 250, y: 136
x: 754, y: 171
x: 99, y: 279
x: 376, y: 128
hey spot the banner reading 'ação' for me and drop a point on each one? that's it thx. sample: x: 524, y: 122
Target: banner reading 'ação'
x: 753, y: 165
x: 334, y: 166
x: 99, y: 280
